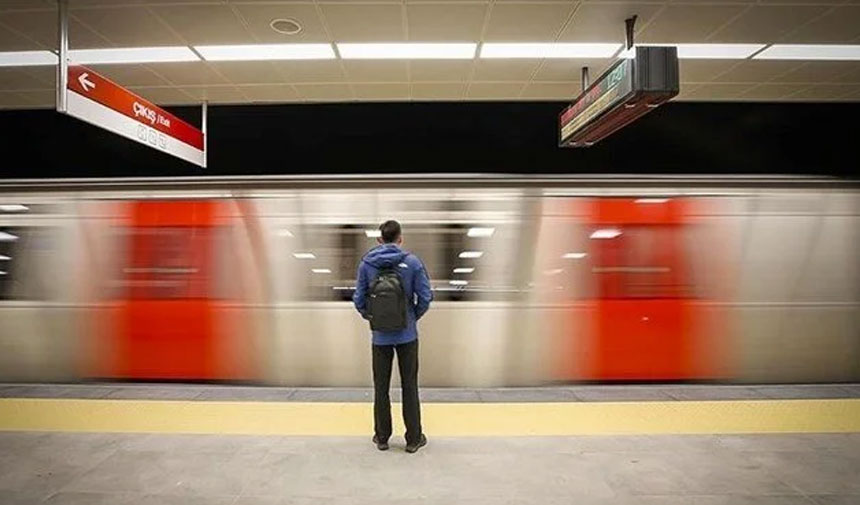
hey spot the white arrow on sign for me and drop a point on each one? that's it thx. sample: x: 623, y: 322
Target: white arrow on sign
x: 85, y: 83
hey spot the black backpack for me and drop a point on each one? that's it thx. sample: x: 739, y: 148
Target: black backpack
x: 386, y: 301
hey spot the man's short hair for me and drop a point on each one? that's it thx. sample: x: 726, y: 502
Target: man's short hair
x: 390, y: 231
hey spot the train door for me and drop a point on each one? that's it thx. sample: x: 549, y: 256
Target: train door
x: 644, y: 319
x: 166, y: 317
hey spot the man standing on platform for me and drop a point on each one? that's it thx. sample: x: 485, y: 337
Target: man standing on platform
x: 393, y: 292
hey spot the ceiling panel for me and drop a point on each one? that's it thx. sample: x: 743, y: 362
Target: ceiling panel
x: 11, y: 41
x: 687, y: 23
x: 526, y: 21
x: 41, y: 26
x: 570, y: 69
x: 494, y: 90
x: 819, y: 71
x: 193, y: 73
x: 717, y: 91
x: 392, y: 91
x: 376, y: 70
x: 18, y: 78
x: 259, y: 17
x: 311, y: 71
x: 364, y: 22
x: 604, y: 22
x: 325, y: 92
x: 438, y: 91
x: 766, y: 23
x: 824, y: 92
x: 757, y: 71
x: 445, y: 21
x: 504, y: 70
x: 270, y: 93
x: 12, y: 100
x: 164, y: 95
x: 40, y: 98
x: 552, y: 91
x: 128, y: 26
x: 704, y: 70
x: 205, y: 24
x: 130, y: 75
x: 842, y: 24
x: 440, y: 70
x: 249, y: 72
x: 768, y: 92
x: 216, y: 94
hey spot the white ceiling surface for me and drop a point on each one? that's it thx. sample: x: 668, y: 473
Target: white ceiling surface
x: 31, y: 25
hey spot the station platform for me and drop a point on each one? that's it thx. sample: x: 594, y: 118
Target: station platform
x: 231, y: 445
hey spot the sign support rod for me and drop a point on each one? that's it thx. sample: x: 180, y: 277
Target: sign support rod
x: 585, y: 79
x: 63, y: 64
x: 205, y: 113
x: 629, y: 25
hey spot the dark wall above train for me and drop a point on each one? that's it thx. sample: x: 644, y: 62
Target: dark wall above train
x: 712, y: 138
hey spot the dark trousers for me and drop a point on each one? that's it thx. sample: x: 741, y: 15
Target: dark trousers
x: 407, y: 361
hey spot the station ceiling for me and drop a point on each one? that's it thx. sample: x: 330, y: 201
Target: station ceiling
x: 31, y: 25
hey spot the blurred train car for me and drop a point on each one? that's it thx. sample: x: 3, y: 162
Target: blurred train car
x: 536, y: 280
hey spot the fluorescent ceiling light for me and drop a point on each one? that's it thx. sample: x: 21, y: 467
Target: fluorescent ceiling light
x: 321, y: 270
x: 373, y: 233
x: 554, y: 271
x: 407, y: 51
x: 464, y: 270
x: 652, y: 200
x: 471, y: 254
x: 15, y: 207
x: 304, y: 256
x: 283, y: 232
x: 809, y: 52
x: 7, y: 237
x: 251, y: 52
x: 4, y: 258
x: 458, y: 283
x: 548, y: 50
x: 706, y: 51
x: 27, y: 58
x: 2, y: 272
x: 574, y: 255
x: 481, y: 232
x: 606, y: 233
x: 133, y: 55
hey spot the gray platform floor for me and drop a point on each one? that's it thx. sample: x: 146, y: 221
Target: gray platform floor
x: 580, y: 393
x: 125, y: 469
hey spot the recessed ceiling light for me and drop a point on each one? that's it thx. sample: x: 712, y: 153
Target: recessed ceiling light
x: 471, y: 254
x: 4, y: 258
x: 652, y: 200
x: 481, y: 232
x: 286, y: 26
x: 283, y: 232
x: 304, y: 256
x: 27, y: 58
x: 810, y: 52
x: 458, y: 283
x: 604, y: 233
x: 706, y: 51
x: 321, y: 270
x: 14, y: 207
x: 574, y: 255
x: 7, y: 237
x: 464, y: 270
x: 554, y: 271
x: 2, y: 272
x: 407, y: 51
x: 373, y: 233
x: 548, y: 50
x: 133, y: 55
x: 260, y: 52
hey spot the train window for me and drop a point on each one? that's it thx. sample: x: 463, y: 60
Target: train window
x: 24, y: 274
x: 641, y: 262
x: 169, y: 262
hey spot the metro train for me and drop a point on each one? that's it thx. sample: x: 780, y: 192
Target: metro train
x: 537, y: 279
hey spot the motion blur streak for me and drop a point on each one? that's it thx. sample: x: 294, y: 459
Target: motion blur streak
x: 590, y: 279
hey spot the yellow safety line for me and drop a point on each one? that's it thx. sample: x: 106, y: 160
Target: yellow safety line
x: 440, y: 419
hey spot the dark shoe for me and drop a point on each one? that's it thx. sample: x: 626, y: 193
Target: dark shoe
x: 381, y: 445
x: 410, y: 448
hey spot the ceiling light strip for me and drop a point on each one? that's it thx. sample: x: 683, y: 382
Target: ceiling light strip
x: 548, y: 50
x: 263, y: 52
x: 827, y: 52
x: 407, y: 50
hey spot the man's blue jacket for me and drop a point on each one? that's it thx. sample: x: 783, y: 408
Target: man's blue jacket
x: 415, y: 282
